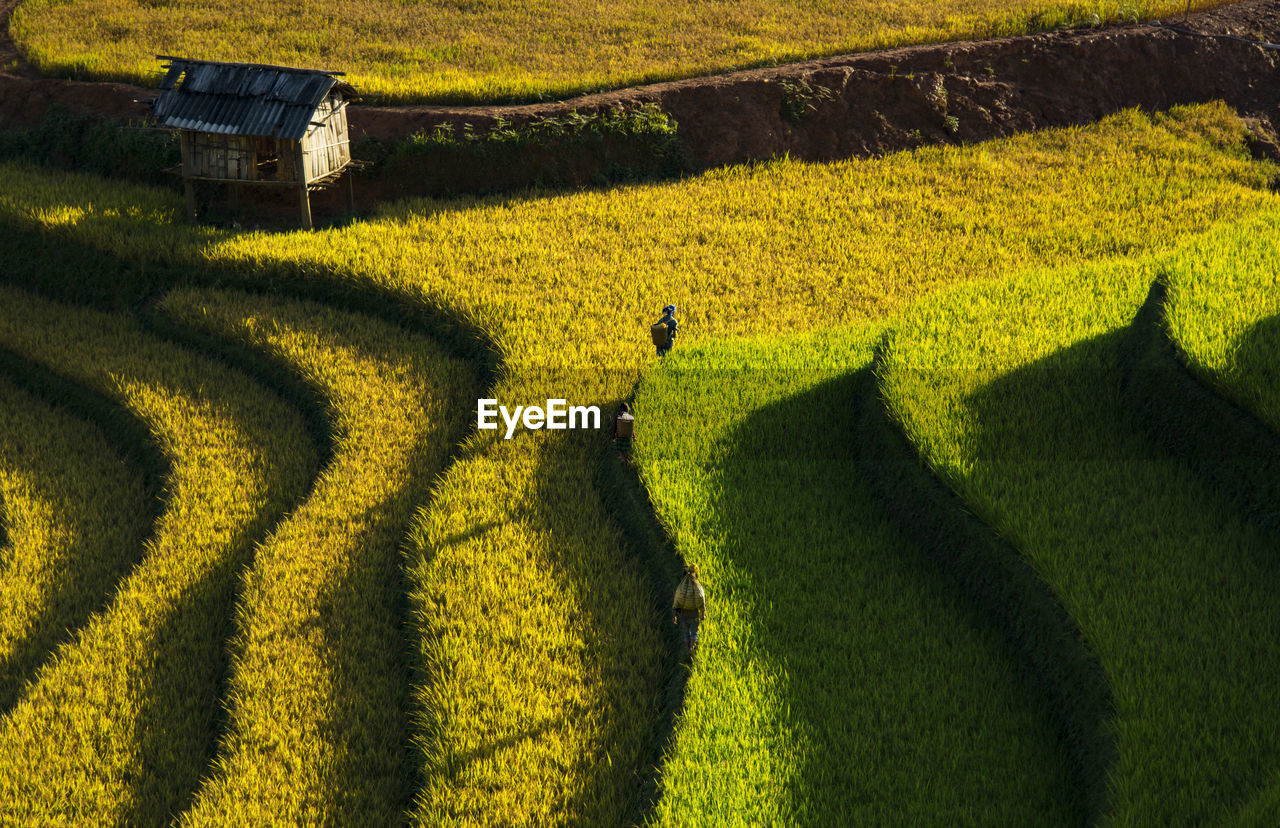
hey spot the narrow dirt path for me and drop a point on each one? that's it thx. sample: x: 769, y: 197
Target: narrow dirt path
x: 869, y: 104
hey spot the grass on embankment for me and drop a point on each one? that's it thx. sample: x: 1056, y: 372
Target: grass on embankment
x: 75, y: 518
x: 1223, y: 311
x: 1012, y: 393
x: 842, y: 678
x: 545, y: 710
x: 119, y: 725
x: 476, y: 51
x: 320, y: 708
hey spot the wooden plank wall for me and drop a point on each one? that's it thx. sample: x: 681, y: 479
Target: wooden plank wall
x: 227, y: 157
x: 327, y: 148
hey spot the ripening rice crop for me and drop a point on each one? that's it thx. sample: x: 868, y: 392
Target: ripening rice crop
x: 74, y: 517
x: 543, y: 659
x: 320, y: 704
x: 572, y: 279
x: 841, y: 678
x: 1224, y: 312
x: 1012, y: 393
x: 118, y: 726
x: 478, y: 50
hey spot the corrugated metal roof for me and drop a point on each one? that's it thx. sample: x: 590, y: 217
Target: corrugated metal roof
x: 242, y: 98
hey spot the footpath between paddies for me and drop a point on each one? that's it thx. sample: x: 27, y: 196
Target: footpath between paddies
x: 1012, y: 392
x: 75, y: 516
x: 547, y: 698
x: 119, y: 725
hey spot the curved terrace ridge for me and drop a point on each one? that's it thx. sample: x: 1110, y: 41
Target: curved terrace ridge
x: 1057, y: 658
x: 69, y: 601
x: 334, y: 565
x: 1229, y: 447
x: 237, y: 461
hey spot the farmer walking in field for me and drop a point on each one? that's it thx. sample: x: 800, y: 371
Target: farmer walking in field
x: 664, y: 330
x: 624, y: 430
x: 689, y: 607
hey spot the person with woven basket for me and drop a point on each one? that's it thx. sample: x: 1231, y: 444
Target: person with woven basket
x: 664, y: 330
x: 624, y: 432
x: 689, y: 607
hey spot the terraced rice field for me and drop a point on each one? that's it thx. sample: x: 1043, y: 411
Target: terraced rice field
x: 1014, y: 401
x: 1224, y: 313
x: 830, y: 635
x: 321, y: 660
x: 75, y: 516
x: 409, y: 620
x: 118, y: 724
x: 475, y: 51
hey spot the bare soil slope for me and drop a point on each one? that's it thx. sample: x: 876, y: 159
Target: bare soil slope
x: 858, y: 105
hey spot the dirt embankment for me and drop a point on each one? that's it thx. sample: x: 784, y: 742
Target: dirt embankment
x: 858, y: 105
x: 870, y: 104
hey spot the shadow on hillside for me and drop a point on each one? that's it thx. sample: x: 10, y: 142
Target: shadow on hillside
x: 179, y: 700
x: 1174, y: 593
x: 1211, y: 424
x: 1257, y: 356
x: 864, y: 625
x: 82, y: 585
x: 362, y: 620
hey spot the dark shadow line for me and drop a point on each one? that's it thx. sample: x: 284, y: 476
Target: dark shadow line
x: 456, y: 764
x: 130, y: 439
x: 137, y: 286
x: 137, y: 441
x: 470, y: 534
x: 1227, y: 447
x: 995, y: 575
x: 107, y: 281
x: 312, y: 407
x: 279, y: 375
x: 627, y: 502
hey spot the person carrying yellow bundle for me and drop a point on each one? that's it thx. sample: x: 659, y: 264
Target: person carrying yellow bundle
x: 689, y: 607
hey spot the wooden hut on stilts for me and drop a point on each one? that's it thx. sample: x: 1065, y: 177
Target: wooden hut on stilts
x: 248, y: 123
